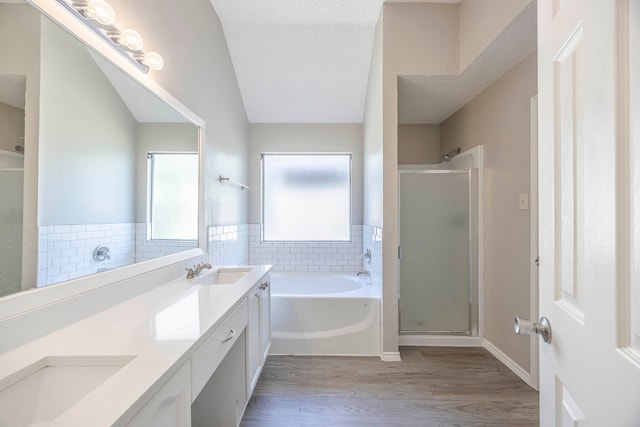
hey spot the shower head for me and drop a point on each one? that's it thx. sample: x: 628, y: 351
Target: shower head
x: 450, y: 155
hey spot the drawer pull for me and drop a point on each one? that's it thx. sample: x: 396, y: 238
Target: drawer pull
x: 232, y: 334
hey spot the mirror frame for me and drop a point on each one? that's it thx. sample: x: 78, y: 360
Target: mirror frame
x: 31, y: 299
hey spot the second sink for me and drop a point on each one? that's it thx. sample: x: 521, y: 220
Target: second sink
x: 223, y: 276
x: 42, y: 391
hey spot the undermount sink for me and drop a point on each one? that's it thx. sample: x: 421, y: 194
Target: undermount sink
x: 223, y: 276
x: 39, y: 393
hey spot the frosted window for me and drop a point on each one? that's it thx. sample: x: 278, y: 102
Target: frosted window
x: 306, y: 197
x: 174, y: 196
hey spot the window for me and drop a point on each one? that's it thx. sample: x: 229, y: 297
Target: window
x: 306, y: 197
x: 173, y: 196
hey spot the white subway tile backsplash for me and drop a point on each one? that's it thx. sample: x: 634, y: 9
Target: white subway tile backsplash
x: 66, y: 251
x: 306, y: 256
x: 71, y: 249
x: 228, y: 244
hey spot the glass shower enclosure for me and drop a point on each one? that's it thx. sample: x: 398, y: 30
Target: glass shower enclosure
x: 438, y: 252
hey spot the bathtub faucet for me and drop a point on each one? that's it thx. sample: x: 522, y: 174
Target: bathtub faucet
x: 364, y: 273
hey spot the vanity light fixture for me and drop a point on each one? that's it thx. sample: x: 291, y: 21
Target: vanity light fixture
x: 99, y: 16
x: 152, y: 60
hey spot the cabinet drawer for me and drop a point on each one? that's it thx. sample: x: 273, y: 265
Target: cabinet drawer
x: 207, y: 358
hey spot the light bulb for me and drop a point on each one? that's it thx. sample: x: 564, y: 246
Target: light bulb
x: 98, y: 10
x: 131, y: 39
x: 153, y: 60
x: 127, y: 37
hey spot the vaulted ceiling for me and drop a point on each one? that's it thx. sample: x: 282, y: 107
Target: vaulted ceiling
x: 307, y: 61
x: 301, y: 61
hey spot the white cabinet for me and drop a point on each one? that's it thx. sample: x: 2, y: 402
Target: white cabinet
x: 209, y: 355
x: 171, y: 406
x: 265, y: 316
x: 258, y: 331
x: 254, y: 352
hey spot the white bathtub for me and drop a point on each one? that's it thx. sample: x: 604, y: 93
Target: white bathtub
x: 324, y: 314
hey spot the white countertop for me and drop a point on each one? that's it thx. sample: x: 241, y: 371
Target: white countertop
x: 160, y: 328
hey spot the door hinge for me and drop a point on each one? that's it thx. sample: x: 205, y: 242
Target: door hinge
x: 537, y: 261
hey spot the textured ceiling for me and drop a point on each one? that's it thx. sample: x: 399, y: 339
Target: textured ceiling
x: 307, y: 61
x: 301, y: 61
x: 432, y: 99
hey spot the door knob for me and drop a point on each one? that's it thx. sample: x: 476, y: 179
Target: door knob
x: 527, y: 327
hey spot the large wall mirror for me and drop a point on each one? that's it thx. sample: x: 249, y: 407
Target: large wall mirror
x: 116, y: 167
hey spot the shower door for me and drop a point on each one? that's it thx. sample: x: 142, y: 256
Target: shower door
x: 436, y: 275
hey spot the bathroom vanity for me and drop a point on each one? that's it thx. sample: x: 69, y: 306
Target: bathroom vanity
x: 185, y: 352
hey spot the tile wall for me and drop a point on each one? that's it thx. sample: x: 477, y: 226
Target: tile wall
x: 149, y: 249
x: 65, y: 252
x: 307, y: 256
x: 229, y: 244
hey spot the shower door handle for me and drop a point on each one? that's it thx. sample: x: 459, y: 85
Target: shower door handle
x: 527, y: 327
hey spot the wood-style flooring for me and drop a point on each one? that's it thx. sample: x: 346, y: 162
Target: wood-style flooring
x: 432, y: 386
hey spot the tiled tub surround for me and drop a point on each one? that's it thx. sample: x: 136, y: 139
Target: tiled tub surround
x: 307, y: 256
x: 228, y: 244
x: 65, y: 252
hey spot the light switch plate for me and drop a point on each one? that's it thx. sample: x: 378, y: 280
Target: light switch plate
x: 524, y: 201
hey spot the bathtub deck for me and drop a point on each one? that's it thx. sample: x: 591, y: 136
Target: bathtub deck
x: 432, y: 386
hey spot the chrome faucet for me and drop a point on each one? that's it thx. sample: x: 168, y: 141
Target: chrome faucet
x: 366, y: 256
x: 197, y: 270
x: 364, y: 273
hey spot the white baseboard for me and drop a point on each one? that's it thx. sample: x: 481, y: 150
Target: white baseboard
x: 509, y: 363
x: 439, y: 341
x: 391, y: 356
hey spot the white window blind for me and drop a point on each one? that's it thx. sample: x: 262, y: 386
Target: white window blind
x: 173, y: 196
x: 306, y: 197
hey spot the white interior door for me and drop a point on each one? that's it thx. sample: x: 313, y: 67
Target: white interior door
x: 589, y: 187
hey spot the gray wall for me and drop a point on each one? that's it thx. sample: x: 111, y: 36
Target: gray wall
x: 373, y: 141
x: 418, y: 144
x: 305, y: 138
x: 87, y: 139
x: 499, y: 119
